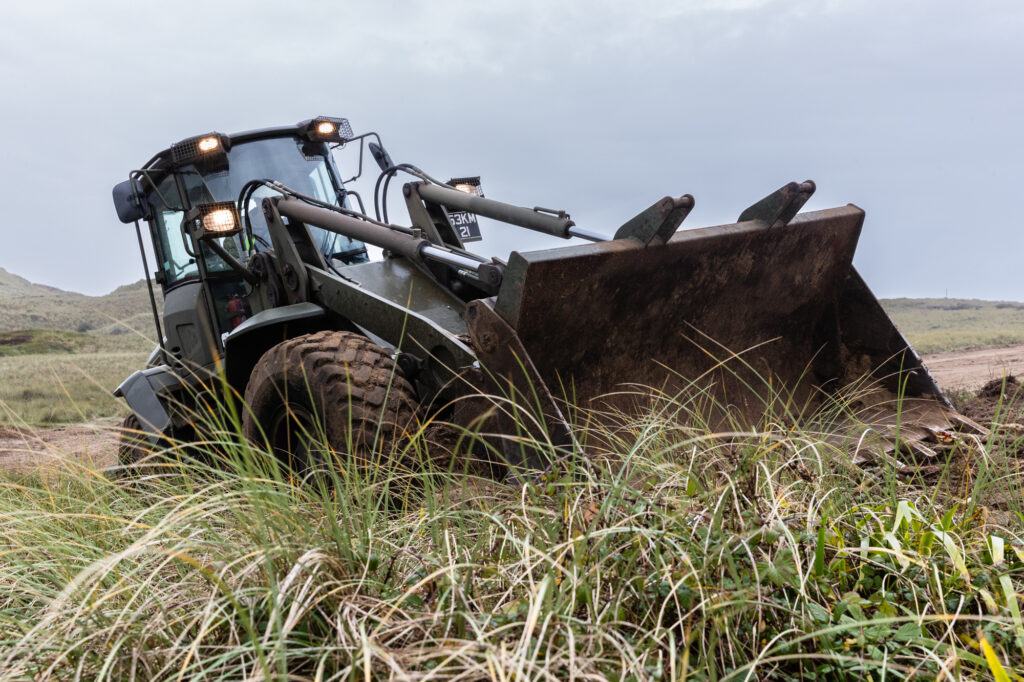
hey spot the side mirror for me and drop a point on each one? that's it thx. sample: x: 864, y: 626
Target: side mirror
x: 128, y: 201
x: 381, y: 156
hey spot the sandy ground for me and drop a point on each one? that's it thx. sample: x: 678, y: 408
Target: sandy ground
x: 29, y: 451
x: 95, y: 445
x: 971, y: 369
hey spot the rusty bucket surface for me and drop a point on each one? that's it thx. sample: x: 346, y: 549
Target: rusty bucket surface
x: 741, y: 312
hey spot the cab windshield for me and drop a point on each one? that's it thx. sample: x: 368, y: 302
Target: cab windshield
x: 305, y: 167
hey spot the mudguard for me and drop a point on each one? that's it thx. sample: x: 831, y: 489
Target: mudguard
x: 145, y: 392
x: 244, y: 346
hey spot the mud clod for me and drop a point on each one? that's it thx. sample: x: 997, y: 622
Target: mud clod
x: 998, y: 388
x: 1003, y: 397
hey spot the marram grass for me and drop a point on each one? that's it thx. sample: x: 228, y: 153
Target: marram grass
x: 671, y: 553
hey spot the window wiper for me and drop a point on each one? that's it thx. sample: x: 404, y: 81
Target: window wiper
x: 344, y: 256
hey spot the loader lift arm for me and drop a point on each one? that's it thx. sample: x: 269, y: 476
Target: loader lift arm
x: 756, y: 316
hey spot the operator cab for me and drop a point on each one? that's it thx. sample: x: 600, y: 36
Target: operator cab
x: 201, y: 290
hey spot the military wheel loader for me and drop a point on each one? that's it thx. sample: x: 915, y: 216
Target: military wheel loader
x: 261, y: 250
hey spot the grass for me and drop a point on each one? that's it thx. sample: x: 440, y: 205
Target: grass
x: 943, y: 324
x: 64, y: 388
x: 48, y: 341
x: 672, y: 552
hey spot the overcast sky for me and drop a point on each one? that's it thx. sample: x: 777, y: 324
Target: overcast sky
x: 912, y: 110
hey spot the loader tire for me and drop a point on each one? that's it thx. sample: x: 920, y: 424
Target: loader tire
x: 136, y: 456
x: 337, y: 386
x: 131, y: 447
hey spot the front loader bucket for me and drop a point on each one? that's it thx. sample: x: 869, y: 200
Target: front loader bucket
x: 741, y: 315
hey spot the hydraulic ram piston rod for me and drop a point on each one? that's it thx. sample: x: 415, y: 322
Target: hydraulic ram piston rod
x: 412, y: 247
x: 560, y: 225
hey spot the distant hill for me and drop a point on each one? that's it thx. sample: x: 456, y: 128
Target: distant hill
x: 930, y: 324
x: 24, y: 305
x: 50, y: 342
x: 933, y: 325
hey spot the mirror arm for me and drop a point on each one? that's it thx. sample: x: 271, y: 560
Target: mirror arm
x: 362, y: 141
x: 149, y: 285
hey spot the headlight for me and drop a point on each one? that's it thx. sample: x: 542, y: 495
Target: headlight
x: 221, y: 220
x: 468, y: 185
x: 208, y: 144
x: 211, y: 221
x: 199, y: 149
x: 327, y: 129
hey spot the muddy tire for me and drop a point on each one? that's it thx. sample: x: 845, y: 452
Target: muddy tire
x: 136, y: 455
x: 132, y: 447
x: 337, y: 386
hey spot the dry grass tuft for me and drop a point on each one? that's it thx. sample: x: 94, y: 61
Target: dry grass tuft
x: 672, y: 553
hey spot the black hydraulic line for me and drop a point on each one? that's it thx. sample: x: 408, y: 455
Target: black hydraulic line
x: 415, y: 170
x: 289, y: 192
x: 376, y: 191
x: 384, y: 196
x: 149, y: 285
x: 380, y: 208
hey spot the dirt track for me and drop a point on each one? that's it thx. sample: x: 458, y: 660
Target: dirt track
x: 96, y: 444
x: 971, y: 369
x: 23, y: 451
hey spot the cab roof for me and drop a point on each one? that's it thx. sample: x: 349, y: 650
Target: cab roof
x: 297, y: 130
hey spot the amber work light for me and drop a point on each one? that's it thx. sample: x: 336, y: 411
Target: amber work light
x: 218, y: 219
x: 210, y: 147
x: 327, y: 129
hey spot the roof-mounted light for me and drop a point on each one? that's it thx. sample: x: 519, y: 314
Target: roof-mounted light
x: 201, y: 148
x: 208, y: 144
x: 213, y: 220
x: 469, y: 185
x: 327, y: 129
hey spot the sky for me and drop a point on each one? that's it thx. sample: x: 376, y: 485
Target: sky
x: 912, y: 110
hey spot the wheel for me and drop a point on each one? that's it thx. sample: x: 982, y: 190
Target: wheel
x: 135, y: 453
x: 130, y: 442
x: 333, y: 386
x: 132, y: 447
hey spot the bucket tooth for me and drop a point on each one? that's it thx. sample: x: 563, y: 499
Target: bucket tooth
x: 779, y: 207
x: 656, y: 224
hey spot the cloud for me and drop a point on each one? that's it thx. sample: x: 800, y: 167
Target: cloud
x: 601, y: 107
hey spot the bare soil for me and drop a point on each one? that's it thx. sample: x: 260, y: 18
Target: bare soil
x: 971, y: 369
x: 95, y: 444
x: 27, y: 451
x: 1002, y: 397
